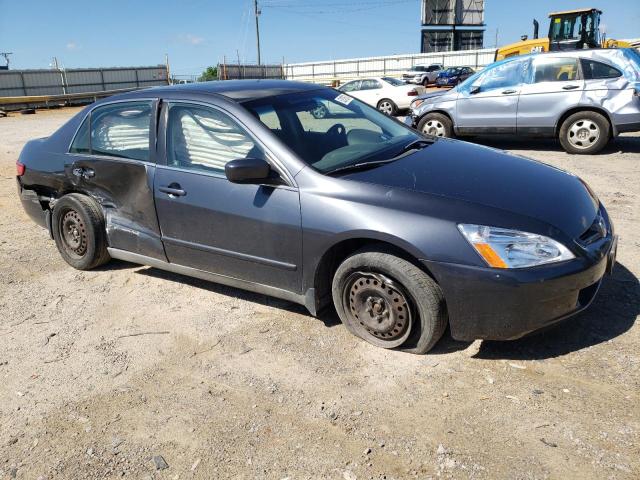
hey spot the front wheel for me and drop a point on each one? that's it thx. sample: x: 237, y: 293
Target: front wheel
x: 584, y: 133
x: 389, y: 302
x: 436, y: 125
x: 387, y: 107
x: 78, y: 229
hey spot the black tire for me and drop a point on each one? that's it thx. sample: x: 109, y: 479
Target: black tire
x: 410, y: 292
x: 436, y: 124
x: 584, y: 133
x: 79, y: 231
x: 387, y: 107
x: 425, y: 82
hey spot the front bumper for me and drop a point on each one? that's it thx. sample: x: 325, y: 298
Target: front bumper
x: 411, y: 121
x: 444, y: 82
x: 497, y: 304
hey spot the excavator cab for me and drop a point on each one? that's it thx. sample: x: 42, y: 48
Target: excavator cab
x: 574, y: 29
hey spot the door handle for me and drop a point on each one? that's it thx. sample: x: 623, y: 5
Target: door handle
x: 570, y: 87
x: 508, y: 92
x: 173, y: 190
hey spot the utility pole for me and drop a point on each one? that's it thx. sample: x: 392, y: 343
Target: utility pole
x: 257, y: 12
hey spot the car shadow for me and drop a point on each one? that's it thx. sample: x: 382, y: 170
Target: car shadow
x: 612, y: 313
x: 621, y: 144
x: 238, y: 293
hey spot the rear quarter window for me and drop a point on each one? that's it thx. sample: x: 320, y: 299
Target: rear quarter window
x: 81, y: 141
x: 593, y: 70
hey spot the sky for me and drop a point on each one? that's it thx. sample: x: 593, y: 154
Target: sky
x: 198, y: 33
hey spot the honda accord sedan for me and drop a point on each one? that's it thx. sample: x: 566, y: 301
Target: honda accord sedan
x: 239, y: 183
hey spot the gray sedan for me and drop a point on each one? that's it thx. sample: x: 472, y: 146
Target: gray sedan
x: 584, y: 98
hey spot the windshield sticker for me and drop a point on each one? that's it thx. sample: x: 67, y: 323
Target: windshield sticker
x: 343, y: 99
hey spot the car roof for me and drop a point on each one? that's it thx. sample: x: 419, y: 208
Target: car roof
x: 587, y: 53
x: 236, y: 90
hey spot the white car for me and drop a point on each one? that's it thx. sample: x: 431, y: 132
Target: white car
x: 387, y: 94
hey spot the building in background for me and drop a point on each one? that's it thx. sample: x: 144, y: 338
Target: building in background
x: 449, y: 25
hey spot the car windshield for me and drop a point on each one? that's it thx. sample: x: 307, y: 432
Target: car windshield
x: 330, y: 130
x: 393, y: 81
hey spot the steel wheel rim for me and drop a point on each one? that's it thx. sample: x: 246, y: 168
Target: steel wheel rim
x: 379, y: 309
x: 385, y: 107
x: 73, y: 234
x: 583, y: 133
x: 434, y: 128
x: 319, y: 112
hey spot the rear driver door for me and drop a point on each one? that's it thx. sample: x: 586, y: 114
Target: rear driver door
x: 554, y: 85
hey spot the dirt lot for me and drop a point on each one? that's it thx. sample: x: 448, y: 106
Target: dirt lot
x: 224, y: 383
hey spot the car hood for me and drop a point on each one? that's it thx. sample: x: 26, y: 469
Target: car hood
x: 492, y: 178
x: 427, y: 96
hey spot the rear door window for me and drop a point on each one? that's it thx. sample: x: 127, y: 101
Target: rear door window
x: 593, y: 70
x: 119, y: 130
x: 555, y: 69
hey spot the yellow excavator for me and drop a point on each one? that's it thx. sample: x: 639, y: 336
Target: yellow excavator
x: 568, y: 30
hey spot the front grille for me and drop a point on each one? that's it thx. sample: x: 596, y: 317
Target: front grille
x: 596, y: 231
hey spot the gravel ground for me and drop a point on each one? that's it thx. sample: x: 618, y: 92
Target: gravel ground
x: 131, y: 371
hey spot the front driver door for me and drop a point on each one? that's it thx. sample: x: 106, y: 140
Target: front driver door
x: 248, y: 232
x: 490, y: 103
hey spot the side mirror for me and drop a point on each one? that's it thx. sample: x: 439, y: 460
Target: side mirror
x: 248, y: 170
x: 474, y: 89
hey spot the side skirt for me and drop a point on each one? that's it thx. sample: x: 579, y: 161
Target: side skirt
x: 306, y: 300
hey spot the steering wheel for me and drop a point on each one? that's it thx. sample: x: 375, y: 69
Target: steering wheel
x: 338, y: 131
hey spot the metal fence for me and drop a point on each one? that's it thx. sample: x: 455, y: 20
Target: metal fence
x: 329, y: 72
x: 74, y: 83
x: 230, y: 71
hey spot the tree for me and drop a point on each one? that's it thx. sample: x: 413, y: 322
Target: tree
x: 210, y: 73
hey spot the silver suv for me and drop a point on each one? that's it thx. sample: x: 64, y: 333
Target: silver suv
x: 423, y: 74
x: 584, y: 98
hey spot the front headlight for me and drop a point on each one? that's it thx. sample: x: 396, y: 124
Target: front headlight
x: 416, y: 103
x: 503, y: 248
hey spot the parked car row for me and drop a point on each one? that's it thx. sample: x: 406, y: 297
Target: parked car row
x: 584, y: 98
x: 390, y: 95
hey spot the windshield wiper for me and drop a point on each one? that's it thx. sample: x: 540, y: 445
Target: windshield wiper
x: 360, y: 166
x: 414, y: 145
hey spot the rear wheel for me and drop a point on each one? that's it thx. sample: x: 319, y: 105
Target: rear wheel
x: 584, y: 133
x: 79, y: 231
x: 425, y: 82
x: 436, y: 125
x: 389, y: 302
x: 387, y: 107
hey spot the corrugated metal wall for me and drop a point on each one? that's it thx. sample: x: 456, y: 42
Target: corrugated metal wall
x: 392, y: 66
x: 232, y: 71
x: 15, y: 83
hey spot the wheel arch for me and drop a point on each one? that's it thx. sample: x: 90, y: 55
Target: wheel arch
x: 337, y: 252
x: 441, y: 112
x: 585, y: 108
